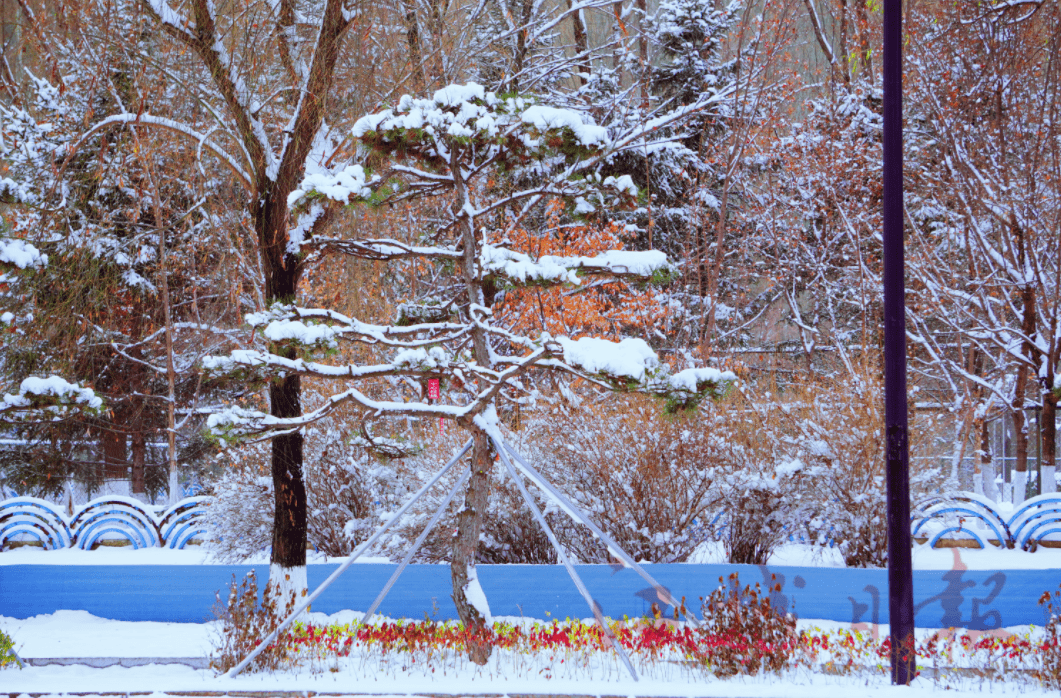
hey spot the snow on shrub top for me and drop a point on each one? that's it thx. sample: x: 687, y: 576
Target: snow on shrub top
x: 22, y: 254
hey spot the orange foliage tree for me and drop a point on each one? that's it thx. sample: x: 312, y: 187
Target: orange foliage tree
x: 610, y: 307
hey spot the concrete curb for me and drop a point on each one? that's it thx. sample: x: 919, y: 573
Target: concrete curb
x: 103, y: 662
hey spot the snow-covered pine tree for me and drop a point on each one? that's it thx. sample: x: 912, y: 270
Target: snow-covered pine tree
x: 684, y: 174
x: 38, y: 399
x: 690, y: 35
x: 459, y: 145
x: 104, y: 212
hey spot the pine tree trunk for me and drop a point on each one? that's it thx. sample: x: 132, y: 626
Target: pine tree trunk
x: 466, y: 590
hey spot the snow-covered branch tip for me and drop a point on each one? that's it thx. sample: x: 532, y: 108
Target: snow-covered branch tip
x: 48, y: 399
x: 632, y: 365
x: 520, y: 269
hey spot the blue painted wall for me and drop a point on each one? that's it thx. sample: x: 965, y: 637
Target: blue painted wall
x: 978, y: 600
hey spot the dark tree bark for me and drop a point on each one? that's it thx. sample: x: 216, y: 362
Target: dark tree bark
x: 273, y: 176
x: 865, y: 52
x: 1048, y: 457
x: 139, y: 447
x: 466, y: 543
x: 1020, y: 421
x: 412, y: 38
x: 581, y: 42
x: 115, y: 455
x: 526, y: 7
x: 987, y: 466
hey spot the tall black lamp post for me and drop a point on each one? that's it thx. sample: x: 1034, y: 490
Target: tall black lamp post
x: 900, y: 576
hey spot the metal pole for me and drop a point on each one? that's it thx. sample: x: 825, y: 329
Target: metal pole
x: 900, y: 577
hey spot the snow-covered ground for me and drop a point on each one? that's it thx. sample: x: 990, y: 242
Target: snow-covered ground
x: 79, y: 634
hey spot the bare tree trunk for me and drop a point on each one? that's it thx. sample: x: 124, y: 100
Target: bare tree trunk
x: 416, y: 52
x: 139, y: 444
x: 287, y: 570
x: 865, y: 51
x: 578, y: 24
x: 620, y: 34
x: 642, y: 49
x: 436, y: 18
x: 171, y: 375
x: 987, y: 474
x: 1020, y: 421
x: 844, y: 63
x: 1048, y: 457
x: 522, y: 48
x: 115, y: 454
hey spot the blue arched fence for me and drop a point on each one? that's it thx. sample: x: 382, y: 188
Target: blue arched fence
x: 104, y: 518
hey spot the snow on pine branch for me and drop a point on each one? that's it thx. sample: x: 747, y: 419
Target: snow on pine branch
x: 51, y: 398
x: 520, y: 268
x: 344, y: 186
x: 631, y: 363
x: 459, y: 114
x: 301, y: 326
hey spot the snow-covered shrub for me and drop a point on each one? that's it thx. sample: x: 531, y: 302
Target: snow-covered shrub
x: 346, y: 488
x: 646, y: 477
x: 836, y: 428
x: 1050, y: 673
x: 806, y: 462
x: 761, y: 505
